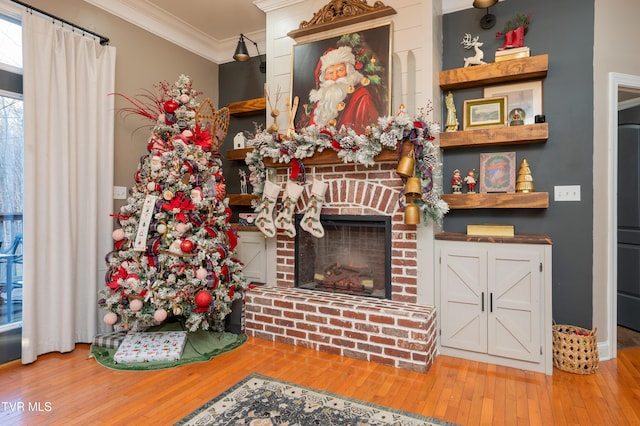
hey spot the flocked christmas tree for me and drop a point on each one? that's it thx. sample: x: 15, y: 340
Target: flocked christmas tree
x: 174, y: 248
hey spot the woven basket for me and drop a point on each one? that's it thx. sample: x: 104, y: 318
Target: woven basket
x: 575, y: 349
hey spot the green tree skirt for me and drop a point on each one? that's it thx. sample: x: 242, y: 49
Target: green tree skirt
x: 201, y: 346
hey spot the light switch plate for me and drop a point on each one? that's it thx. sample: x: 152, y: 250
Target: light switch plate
x: 119, y: 192
x: 566, y: 193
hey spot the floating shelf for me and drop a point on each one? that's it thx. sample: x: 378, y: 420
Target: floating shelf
x: 326, y: 157
x: 494, y: 73
x: 516, y: 200
x: 528, y: 133
x: 241, y: 199
x: 248, y: 107
x: 516, y: 239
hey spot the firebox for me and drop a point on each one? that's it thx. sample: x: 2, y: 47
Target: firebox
x: 353, y: 256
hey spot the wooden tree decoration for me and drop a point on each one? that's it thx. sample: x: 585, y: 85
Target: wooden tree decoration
x: 275, y: 112
x: 216, y: 121
x: 524, y: 181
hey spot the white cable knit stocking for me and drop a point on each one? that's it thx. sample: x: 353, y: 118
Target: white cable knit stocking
x: 311, y: 220
x: 284, y: 219
x: 264, y: 221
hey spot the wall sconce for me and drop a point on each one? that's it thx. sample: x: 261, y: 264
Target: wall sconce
x: 242, y: 54
x: 488, y: 20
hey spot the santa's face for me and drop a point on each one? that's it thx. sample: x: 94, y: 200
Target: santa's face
x: 335, y: 72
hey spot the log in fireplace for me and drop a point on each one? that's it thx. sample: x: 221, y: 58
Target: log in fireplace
x: 353, y: 257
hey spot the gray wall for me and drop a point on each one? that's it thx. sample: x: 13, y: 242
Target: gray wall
x: 564, y: 31
x: 239, y: 81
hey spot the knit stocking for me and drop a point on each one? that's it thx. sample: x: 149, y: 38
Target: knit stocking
x: 264, y: 221
x: 284, y: 219
x: 311, y: 220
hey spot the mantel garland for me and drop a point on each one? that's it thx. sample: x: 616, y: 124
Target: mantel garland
x: 361, y: 149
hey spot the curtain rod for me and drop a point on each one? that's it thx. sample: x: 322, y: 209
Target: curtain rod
x: 103, y: 40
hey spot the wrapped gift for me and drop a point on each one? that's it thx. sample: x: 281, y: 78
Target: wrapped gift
x: 151, y: 346
x: 110, y: 340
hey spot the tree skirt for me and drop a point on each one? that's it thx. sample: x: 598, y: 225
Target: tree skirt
x: 260, y: 400
x: 201, y: 346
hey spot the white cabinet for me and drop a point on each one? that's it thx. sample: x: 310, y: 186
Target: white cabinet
x: 495, y: 303
x: 252, y: 252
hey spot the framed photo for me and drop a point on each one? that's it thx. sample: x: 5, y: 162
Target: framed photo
x: 344, y: 80
x: 528, y: 96
x: 486, y: 112
x: 498, y: 172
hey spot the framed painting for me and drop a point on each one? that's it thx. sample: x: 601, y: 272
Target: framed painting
x: 498, y: 172
x: 484, y: 113
x: 528, y: 96
x: 343, y: 81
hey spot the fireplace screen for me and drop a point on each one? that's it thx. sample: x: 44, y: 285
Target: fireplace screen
x: 353, y: 257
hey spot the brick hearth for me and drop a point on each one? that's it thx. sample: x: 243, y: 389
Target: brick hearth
x: 396, y: 332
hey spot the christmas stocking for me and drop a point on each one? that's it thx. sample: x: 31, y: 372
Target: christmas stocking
x: 264, y: 221
x: 284, y: 219
x: 311, y: 220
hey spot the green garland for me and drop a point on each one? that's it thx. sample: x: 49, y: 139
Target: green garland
x: 361, y: 149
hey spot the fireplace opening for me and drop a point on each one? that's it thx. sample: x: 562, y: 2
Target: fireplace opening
x: 353, y: 256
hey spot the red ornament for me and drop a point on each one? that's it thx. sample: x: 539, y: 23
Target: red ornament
x: 203, y: 298
x: 170, y: 106
x: 186, y: 246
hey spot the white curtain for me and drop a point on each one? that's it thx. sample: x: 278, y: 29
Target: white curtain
x: 68, y: 175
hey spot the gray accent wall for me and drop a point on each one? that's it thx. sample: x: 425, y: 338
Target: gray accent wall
x: 564, y: 31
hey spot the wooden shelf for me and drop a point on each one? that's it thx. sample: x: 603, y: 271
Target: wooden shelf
x: 238, y: 154
x: 497, y: 72
x: 241, y: 199
x: 248, y: 107
x: 516, y: 200
x: 516, y: 239
x: 495, y: 136
x: 326, y: 157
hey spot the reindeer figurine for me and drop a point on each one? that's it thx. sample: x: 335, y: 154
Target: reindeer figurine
x: 468, y: 43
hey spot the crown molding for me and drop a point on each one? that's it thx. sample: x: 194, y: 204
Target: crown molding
x: 271, y: 5
x: 174, y: 30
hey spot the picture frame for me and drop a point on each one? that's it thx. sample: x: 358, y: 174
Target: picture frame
x: 498, y: 172
x: 484, y: 113
x: 371, y: 48
x: 528, y: 95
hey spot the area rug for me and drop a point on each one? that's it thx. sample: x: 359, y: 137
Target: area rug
x: 263, y: 401
x: 201, y: 346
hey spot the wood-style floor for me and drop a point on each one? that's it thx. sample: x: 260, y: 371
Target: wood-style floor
x: 71, y: 389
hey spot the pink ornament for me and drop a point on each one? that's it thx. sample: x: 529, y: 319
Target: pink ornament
x: 160, y: 315
x: 187, y: 133
x: 181, y: 228
x: 203, y: 298
x: 161, y: 118
x: 201, y: 274
x: 186, y: 246
x: 135, y: 305
x: 110, y: 318
x: 118, y: 234
x: 171, y: 106
x: 184, y: 98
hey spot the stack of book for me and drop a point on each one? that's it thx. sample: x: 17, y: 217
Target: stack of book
x: 515, y: 53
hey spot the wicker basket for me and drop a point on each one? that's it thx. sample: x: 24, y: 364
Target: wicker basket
x: 575, y: 349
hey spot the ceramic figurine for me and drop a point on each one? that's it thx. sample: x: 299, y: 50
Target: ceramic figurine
x: 456, y: 182
x: 468, y: 43
x: 471, y: 180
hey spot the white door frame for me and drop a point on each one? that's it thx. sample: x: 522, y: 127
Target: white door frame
x: 616, y: 81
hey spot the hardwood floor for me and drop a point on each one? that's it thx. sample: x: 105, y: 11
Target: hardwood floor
x: 71, y: 389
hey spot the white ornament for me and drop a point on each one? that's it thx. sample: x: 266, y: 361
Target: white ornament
x: 238, y: 141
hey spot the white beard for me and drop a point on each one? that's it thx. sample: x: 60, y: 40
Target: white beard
x: 329, y: 95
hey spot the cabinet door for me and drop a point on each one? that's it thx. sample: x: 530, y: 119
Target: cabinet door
x: 252, y: 252
x: 463, y: 276
x: 514, y: 320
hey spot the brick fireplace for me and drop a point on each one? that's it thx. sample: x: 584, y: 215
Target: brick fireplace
x: 396, y: 332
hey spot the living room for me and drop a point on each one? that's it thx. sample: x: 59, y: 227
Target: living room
x: 576, y: 88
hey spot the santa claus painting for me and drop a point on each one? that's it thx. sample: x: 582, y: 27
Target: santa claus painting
x: 349, y: 86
